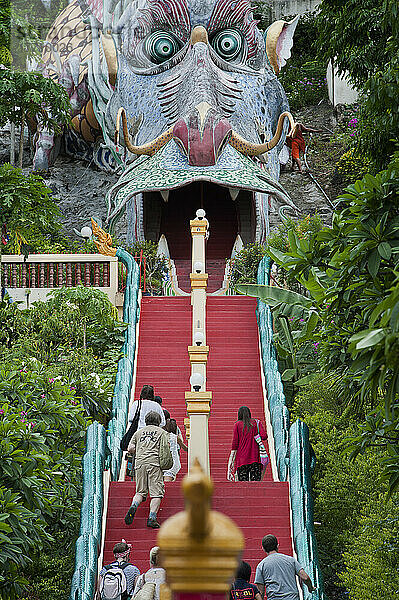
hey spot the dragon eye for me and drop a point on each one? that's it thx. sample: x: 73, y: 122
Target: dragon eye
x: 228, y: 43
x: 161, y: 46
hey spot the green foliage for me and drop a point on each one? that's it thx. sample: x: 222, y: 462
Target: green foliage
x: 263, y: 13
x: 305, y: 228
x: 244, y: 266
x: 26, y: 208
x: 49, y: 575
x: 41, y: 442
x: 305, y: 84
x: 155, y: 266
x: 363, y: 40
x: 25, y: 92
x: 379, y: 113
x: 304, y: 76
x: 344, y: 490
x: 89, y: 304
x: 352, y: 166
x: 348, y: 268
x: 295, y: 322
x: 376, y: 541
x: 354, y: 35
x: 350, y: 272
x: 29, y: 22
x: 50, y: 388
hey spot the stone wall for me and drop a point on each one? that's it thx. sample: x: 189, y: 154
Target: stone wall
x: 282, y: 8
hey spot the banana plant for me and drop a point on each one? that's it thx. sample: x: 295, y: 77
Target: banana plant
x: 290, y: 308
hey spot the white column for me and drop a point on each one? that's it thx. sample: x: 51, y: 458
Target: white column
x: 198, y: 402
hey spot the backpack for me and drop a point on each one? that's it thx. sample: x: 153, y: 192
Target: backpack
x: 147, y: 592
x: 165, y: 455
x: 114, y: 584
x: 242, y: 594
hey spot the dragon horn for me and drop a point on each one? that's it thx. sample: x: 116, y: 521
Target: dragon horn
x: 251, y: 149
x: 151, y: 148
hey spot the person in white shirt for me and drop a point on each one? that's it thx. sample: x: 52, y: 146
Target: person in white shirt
x: 155, y: 575
x: 147, y: 405
x: 175, y: 444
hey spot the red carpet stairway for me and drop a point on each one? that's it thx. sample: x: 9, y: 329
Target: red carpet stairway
x: 235, y: 380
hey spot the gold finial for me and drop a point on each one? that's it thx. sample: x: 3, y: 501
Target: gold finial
x: 199, y: 547
x: 103, y: 241
x: 198, y: 490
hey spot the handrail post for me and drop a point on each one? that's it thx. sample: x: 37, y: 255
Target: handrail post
x: 198, y: 400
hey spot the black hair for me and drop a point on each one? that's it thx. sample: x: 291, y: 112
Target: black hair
x: 158, y: 400
x: 269, y: 543
x: 153, y: 418
x: 244, y: 415
x: 166, y: 413
x: 147, y: 392
x: 171, y: 426
x: 243, y: 571
x: 120, y: 547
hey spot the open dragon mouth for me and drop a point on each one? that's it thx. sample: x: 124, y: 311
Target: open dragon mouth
x: 236, y: 184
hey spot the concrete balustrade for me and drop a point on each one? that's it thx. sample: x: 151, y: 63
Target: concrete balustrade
x: 31, y: 279
x: 198, y: 402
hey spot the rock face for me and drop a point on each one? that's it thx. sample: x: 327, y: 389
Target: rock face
x: 81, y: 191
x: 306, y: 196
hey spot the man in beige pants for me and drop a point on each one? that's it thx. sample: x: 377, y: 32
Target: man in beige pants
x: 144, y: 446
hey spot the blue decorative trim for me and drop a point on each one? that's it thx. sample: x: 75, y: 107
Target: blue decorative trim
x: 103, y: 447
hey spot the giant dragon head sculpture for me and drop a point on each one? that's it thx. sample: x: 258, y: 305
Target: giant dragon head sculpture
x: 192, y: 85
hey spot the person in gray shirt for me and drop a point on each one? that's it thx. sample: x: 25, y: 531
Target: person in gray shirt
x: 277, y: 573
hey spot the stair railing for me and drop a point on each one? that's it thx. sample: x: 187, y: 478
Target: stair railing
x: 198, y: 400
x: 102, y: 460
x: 294, y: 454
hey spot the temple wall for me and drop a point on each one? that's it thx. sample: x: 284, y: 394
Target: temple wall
x: 340, y: 91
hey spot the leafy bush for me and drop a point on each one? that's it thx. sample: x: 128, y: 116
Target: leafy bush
x: 304, y: 84
x: 363, y: 39
x: 27, y: 209
x: 306, y: 228
x: 155, y: 266
x: 344, y: 490
x: 245, y: 264
x: 304, y: 76
x: 375, y: 542
x: 49, y: 575
x: 352, y: 166
x: 50, y: 388
x: 41, y: 442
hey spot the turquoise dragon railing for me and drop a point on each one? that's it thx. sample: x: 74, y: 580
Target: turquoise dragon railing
x: 294, y: 455
x: 103, y: 447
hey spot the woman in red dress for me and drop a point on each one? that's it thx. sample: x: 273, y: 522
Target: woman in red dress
x: 244, y: 457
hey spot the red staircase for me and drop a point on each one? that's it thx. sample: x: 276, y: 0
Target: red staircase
x: 234, y: 378
x: 233, y: 375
